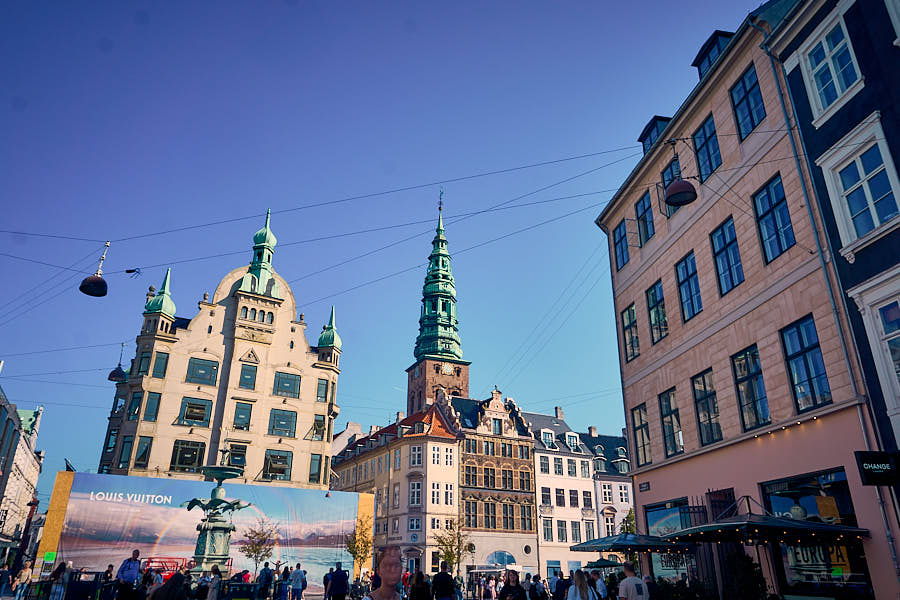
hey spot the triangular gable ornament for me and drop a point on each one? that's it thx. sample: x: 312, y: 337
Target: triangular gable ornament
x: 250, y: 357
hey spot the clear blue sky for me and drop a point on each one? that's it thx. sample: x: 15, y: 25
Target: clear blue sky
x: 124, y: 118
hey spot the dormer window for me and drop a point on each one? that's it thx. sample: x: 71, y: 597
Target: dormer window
x: 620, y: 451
x: 572, y: 441
x: 710, y: 51
x: 599, y: 464
x: 548, y: 439
x: 652, y: 131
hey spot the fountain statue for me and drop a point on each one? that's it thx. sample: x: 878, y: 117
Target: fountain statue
x: 214, y: 539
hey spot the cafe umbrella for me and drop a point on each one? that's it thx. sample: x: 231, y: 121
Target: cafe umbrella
x: 632, y: 542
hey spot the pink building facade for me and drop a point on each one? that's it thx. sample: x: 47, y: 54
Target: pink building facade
x: 736, y: 373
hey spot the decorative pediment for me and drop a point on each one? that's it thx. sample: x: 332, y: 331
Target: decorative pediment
x: 250, y: 357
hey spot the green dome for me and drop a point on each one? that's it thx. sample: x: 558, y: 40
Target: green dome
x: 329, y: 337
x: 265, y: 236
x: 162, y: 302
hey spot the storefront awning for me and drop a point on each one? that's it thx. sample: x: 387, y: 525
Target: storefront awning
x: 602, y: 563
x: 753, y: 529
x: 631, y: 542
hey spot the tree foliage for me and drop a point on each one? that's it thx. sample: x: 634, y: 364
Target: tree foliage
x: 259, y: 542
x: 628, y: 525
x: 453, y: 544
x: 359, y: 542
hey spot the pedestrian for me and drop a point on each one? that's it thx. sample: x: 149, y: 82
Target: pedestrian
x: 173, y: 589
x: 551, y: 583
x: 215, y: 579
x: 388, y: 571
x: 376, y: 582
x: 419, y: 589
x: 58, y: 582
x: 21, y: 580
x: 286, y: 573
x: 297, y: 582
x: 527, y: 583
x: 489, y: 589
x: 512, y: 589
x: 127, y: 576
x: 652, y: 588
x: 537, y: 590
x: 326, y: 580
x: 631, y: 588
x: 580, y: 589
x: 442, y: 586
x: 264, y: 579
x: 107, y: 574
x: 338, y: 584
x: 598, y: 584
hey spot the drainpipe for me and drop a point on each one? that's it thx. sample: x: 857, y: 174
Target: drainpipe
x: 884, y: 518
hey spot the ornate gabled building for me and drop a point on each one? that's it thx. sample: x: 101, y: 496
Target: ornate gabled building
x: 411, y: 467
x: 237, y: 384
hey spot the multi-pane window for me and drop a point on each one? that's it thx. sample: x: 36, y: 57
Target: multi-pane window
x: 525, y: 481
x: 187, y: 456
x: 525, y: 517
x: 572, y: 467
x: 506, y: 479
x: 395, y: 525
x: 396, y: 459
x: 111, y: 438
x: 396, y: 496
x: 831, y: 66
x: 287, y: 385
x: 471, y: 446
x: 318, y: 432
x: 610, y: 523
x: 248, y: 377
x: 727, y: 257
x: 237, y: 455
x: 125, y: 451
x: 144, y: 363
x: 490, y: 478
x: 415, y: 493
x: 488, y: 448
x: 630, y: 333
x: 670, y: 174
x: 560, y: 497
x: 524, y: 452
x: 277, y: 465
x: 202, y: 371
x: 471, y: 513
x: 490, y: 515
x: 496, y: 426
x: 656, y: 309
x: 509, y: 516
x: 544, y: 464
x: 748, y: 103
x: 435, y: 455
x: 548, y: 530
x: 707, y: 408
x: 242, y: 413
x: 641, y: 429
x: 587, y: 499
x: 448, y: 457
x: 315, y: 468
x: 448, y: 494
x: 435, y: 492
x: 415, y: 524
x: 671, y: 423
x: 545, y: 496
x: 557, y: 466
x: 773, y: 219
x: 889, y: 334
x: 142, y: 455
x: 751, y: 390
x: 866, y: 191
x: 589, y: 530
x: 415, y: 456
x: 152, y: 409
x: 160, y: 364
x: 620, y: 244
x: 506, y: 450
x: 562, y: 533
x: 688, y: 287
x: 706, y: 147
x: 573, y: 498
x: 282, y: 423
x: 322, y: 390
x: 134, y: 407
x: 195, y: 412
x: 644, y: 213
x: 471, y: 475
x: 623, y: 493
x: 586, y: 469
x: 606, y: 493
x: 576, y: 532
x: 809, y: 381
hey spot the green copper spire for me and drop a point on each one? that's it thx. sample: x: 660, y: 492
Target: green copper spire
x: 329, y: 337
x: 438, y: 326
x: 260, y: 277
x: 162, y: 302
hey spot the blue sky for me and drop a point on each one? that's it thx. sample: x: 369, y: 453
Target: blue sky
x: 127, y: 118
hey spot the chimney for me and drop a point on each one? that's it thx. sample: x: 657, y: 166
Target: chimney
x: 400, y: 416
x: 373, y: 429
x: 592, y: 431
x: 559, y: 412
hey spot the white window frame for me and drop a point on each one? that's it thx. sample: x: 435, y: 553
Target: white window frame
x: 840, y: 155
x: 415, y: 456
x: 415, y: 493
x: 435, y: 492
x: 448, y: 456
x: 801, y: 57
x: 436, y: 455
x: 448, y: 494
x: 869, y: 297
x: 606, y: 493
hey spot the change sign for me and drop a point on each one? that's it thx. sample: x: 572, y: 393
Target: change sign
x: 878, y: 468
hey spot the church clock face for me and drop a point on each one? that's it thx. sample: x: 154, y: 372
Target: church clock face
x: 447, y: 369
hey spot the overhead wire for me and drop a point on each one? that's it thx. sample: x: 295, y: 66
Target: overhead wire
x: 50, y: 350
x: 48, y: 280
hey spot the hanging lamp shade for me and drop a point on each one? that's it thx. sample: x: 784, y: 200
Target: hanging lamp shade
x: 117, y: 375
x: 93, y: 285
x: 680, y: 193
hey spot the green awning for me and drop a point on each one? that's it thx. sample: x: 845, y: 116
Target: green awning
x: 602, y: 563
x: 631, y: 542
x: 756, y: 529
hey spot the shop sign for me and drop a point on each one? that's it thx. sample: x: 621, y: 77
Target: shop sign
x: 878, y: 468
x: 644, y: 486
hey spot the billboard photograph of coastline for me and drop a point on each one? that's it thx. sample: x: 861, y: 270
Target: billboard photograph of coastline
x: 107, y: 516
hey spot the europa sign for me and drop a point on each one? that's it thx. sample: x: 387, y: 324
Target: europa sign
x: 878, y: 468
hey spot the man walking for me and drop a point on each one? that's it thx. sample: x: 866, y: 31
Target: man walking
x: 442, y: 587
x: 127, y: 576
x: 264, y: 579
x: 631, y: 588
x: 298, y: 583
x: 598, y: 584
x: 339, y: 584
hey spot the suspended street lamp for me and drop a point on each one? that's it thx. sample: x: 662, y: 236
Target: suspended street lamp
x: 95, y: 285
x: 679, y: 192
x: 118, y: 375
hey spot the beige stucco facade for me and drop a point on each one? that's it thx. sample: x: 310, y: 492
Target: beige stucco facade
x: 238, y: 383
x: 20, y: 468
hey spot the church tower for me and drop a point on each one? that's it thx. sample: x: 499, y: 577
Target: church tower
x: 438, y: 353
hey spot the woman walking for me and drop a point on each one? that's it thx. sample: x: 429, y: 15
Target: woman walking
x: 512, y: 589
x: 581, y: 589
x: 388, y: 568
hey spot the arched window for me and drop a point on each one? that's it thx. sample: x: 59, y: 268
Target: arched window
x: 252, y: 314
x: 501, y: 557
x: 262, y: 316
x: 269, y: 318
x: 243, y: 312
